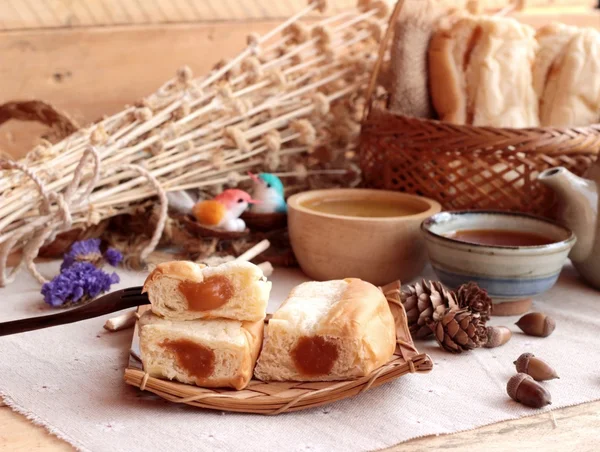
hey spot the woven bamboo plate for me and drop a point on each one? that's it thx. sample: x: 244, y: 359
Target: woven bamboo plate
x: 281, y: 397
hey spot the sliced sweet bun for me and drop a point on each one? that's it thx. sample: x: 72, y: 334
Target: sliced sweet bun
x: 498, y: 77
x: 449, y: 54
x: 552, y: 40
x: 207, y: 353
x: 324, y: 331
x: 571, y: 95
x: 183, y: 290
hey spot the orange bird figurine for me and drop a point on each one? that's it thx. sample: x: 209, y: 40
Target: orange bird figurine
x: 224, y: 210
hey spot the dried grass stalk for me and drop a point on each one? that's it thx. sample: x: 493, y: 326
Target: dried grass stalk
x: 269, y: 108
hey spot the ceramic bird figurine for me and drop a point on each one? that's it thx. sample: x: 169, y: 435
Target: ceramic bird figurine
x: 224, y: 210
x: 268, y: 189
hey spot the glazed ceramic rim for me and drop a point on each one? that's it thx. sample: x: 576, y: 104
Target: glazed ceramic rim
x: 294, y: 202
x: 554, y: 246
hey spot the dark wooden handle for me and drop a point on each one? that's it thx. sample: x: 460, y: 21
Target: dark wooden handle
x: 112, y: 302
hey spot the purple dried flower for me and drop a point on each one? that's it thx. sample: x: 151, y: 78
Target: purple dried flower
x: 83, y: 251
x: 113, y: 257
x: 76, y: 283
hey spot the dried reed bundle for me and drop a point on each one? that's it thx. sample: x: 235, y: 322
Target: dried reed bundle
x: 272, y: 107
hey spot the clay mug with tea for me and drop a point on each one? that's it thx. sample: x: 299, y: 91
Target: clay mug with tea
x: 373, y: 235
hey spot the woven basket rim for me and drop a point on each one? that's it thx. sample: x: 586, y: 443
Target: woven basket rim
x: 279, y: 397
x: 379, y: 110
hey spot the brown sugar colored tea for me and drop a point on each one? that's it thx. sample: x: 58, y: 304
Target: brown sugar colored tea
x: 499, y: 237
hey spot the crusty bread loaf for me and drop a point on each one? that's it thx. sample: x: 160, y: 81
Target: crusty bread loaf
x: 182, y: 290
x: 412, y: 31
x: 208, y: 353
x: 333, y: 330
x: 409, y: 74
x: 552, y: 40
x: 449, y: 53
x: 480, y: 72
x: 567, y: 73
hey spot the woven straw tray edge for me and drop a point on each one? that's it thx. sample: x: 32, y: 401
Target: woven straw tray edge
x: 280, y: 397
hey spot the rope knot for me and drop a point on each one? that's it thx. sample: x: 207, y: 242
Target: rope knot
x: 98, y: 135
x: 253, y: 69
x: 320, y: 5
x: 382, y: 9
x: 218, y: 159
x: 305, y: 129
x: 253, y: 41
x: 225, y: 92
x: 273, y: 140
x: 236, y: 138
x: 321, y: 103
x: 233, y: 179
x: 298, y: 32
x: 184, y: 75
x: 301, y: 171
x: 322, y: 34
x: 142, y: 114
x: 278, y: 78
x: 375, y: 28
x: 93, y: 216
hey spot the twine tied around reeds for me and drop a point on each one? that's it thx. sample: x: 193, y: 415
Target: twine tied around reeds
x: 56, y: 215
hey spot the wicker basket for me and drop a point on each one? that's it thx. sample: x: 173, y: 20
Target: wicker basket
x: 467, y: 167
x: 280, y: 397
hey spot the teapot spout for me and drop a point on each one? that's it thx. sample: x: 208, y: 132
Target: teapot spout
x: 577, y: 201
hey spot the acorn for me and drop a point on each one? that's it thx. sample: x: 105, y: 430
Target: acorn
x: 538, y: 370
x: 497, y: 336
x: 525, y: 390
x: 536, y: 324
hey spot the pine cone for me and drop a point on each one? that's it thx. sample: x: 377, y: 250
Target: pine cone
x: 425, y: 302
x: 476, y: 299
x: 458, y: 331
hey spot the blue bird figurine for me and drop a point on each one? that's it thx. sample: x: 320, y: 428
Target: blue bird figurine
x: 268, y: 190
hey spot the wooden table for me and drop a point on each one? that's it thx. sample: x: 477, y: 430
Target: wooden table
x: 55, y: 55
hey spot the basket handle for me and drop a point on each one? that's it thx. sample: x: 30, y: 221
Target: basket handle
x: 382, y: 47
x: 35, y: 110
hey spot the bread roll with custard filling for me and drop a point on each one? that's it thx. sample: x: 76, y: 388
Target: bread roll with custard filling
x: 182, y: 290
x: 207, y: 353
x: 333, y: 330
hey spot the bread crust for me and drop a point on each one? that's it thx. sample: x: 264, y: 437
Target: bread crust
x: 356, y: 318
x: 180, y: 270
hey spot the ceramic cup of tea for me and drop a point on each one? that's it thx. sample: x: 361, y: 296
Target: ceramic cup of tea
x: 373, y: 235
x: 513, y: 256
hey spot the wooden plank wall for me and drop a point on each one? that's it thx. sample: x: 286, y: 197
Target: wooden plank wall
x: 90, y: 71
x: 26, y: 14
